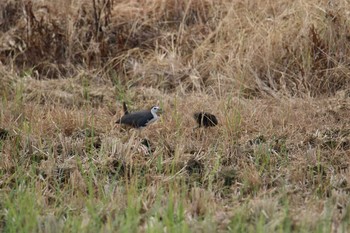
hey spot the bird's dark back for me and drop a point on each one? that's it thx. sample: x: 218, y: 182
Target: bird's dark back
x: 136, y: 119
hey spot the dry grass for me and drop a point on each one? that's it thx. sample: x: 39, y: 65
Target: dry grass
x: 275, y: 73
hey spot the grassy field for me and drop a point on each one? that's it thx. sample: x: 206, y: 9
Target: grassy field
x: 275, y: 73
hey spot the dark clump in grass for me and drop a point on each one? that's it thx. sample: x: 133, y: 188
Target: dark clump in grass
x: 205, y: 119
x: 3, y: 134
x: 228, y: 175
x: 146, y: 143
x: 258, y: 140
x: 194, y: 166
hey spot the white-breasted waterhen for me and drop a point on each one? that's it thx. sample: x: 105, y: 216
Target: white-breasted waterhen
x: 205, y: 119
x: 139, y: 119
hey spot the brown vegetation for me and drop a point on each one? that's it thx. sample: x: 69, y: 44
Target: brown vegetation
x: 275, y: 73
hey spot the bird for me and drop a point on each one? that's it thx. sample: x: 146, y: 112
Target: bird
x: 205, y: 119
x: 140, y: 119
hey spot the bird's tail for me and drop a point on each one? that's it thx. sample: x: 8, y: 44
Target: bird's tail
x: 125, y: 108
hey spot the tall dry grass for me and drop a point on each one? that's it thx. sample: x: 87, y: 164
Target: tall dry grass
x: 249, y: 47
x: 275, y: 73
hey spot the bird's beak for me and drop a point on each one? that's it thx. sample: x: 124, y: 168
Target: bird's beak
x: 160, y: 111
